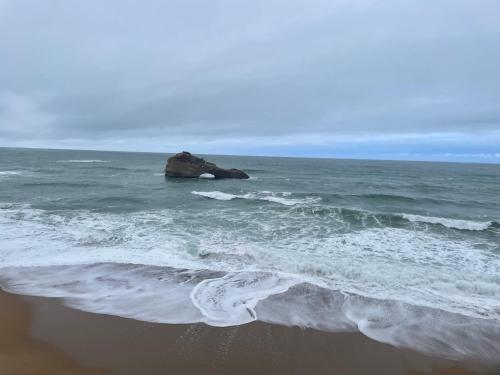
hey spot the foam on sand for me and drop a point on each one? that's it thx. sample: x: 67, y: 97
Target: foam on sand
x: 241, y: 293
x: 165, y: 295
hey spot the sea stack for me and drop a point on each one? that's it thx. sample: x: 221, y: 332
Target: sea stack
x: 186, y: 165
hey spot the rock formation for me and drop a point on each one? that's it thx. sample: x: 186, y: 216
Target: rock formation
x: 186, y: 165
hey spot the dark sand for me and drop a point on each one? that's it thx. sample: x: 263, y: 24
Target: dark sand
x: 42, y: 336
x: 22, y: 354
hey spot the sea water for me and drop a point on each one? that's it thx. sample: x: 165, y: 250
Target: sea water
x: 407, y: 253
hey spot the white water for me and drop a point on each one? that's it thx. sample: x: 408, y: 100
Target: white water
x: 396, y: 285
x: 163, y: 295
x: 231, y: 300
x: 215, y: 195
x: 7, y: 174
x: 449, y: 223
x: 207, y: 176
x: 262, y: 196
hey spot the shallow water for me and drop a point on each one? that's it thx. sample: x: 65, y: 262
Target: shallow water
x: 407, y: 253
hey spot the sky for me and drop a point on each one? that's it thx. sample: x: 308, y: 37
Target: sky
x: 375, y: 79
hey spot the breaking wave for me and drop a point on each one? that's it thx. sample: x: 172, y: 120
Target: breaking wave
x: 346, y: 270
x: 10, y: 173
x: 281, y: 198
x: 7, y: 174
x: 450, y: 223
x: 364, y: 217
x: 181, y: 296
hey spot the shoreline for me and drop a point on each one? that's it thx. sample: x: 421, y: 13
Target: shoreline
x: 44, y: 336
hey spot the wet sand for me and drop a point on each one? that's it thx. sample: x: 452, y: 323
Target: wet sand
x: 20, y: 353
x: 42, y: 336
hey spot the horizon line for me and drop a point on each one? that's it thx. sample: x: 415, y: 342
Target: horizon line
x: 261, y: 156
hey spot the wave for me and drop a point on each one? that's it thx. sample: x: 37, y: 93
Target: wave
x: 363, y: 259
x: 108, y: 167
x: 48, y: 171
x: 368, y: 218
x: 121, y: 200
x: 384, y: 197
x: 14, y: 207
x: 405, y: 199
x: 182, y: 296
x: 241, y: 294
x: 7, y: 174
x: 215, y: 195
x: 83, y: 161
x: 450, y: 223
x: 227, y: 266
x: 63, y: 184
x: 281, y: 198
x: 10, y: 173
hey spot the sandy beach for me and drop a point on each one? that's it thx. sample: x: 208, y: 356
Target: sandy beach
x: 42, y: 336
x: 21, y: 353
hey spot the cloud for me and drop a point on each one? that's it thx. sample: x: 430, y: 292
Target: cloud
x: 77, y: 72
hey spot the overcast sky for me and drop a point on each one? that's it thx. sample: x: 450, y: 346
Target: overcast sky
x: 395, y: 79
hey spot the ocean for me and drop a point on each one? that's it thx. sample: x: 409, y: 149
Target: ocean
x: 407, y: 253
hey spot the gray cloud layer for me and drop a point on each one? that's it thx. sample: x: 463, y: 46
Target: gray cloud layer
x: 167, y: 71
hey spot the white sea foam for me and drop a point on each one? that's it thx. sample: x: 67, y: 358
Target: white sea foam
x: 449, y: 223
x: 216, y: 195
x: 288, y: 201
x: 396, y: 285
x: 241, y: 293
x: 280, y: 198
x: 7, y: 174
x: 134, y: 291
x: 458, y: 277
x: 164, y: 295
x: 207, y: 175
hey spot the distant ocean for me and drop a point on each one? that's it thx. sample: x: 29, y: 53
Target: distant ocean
x: 407, y: 253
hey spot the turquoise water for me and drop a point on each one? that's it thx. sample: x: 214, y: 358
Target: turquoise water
x: 407, y: 253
